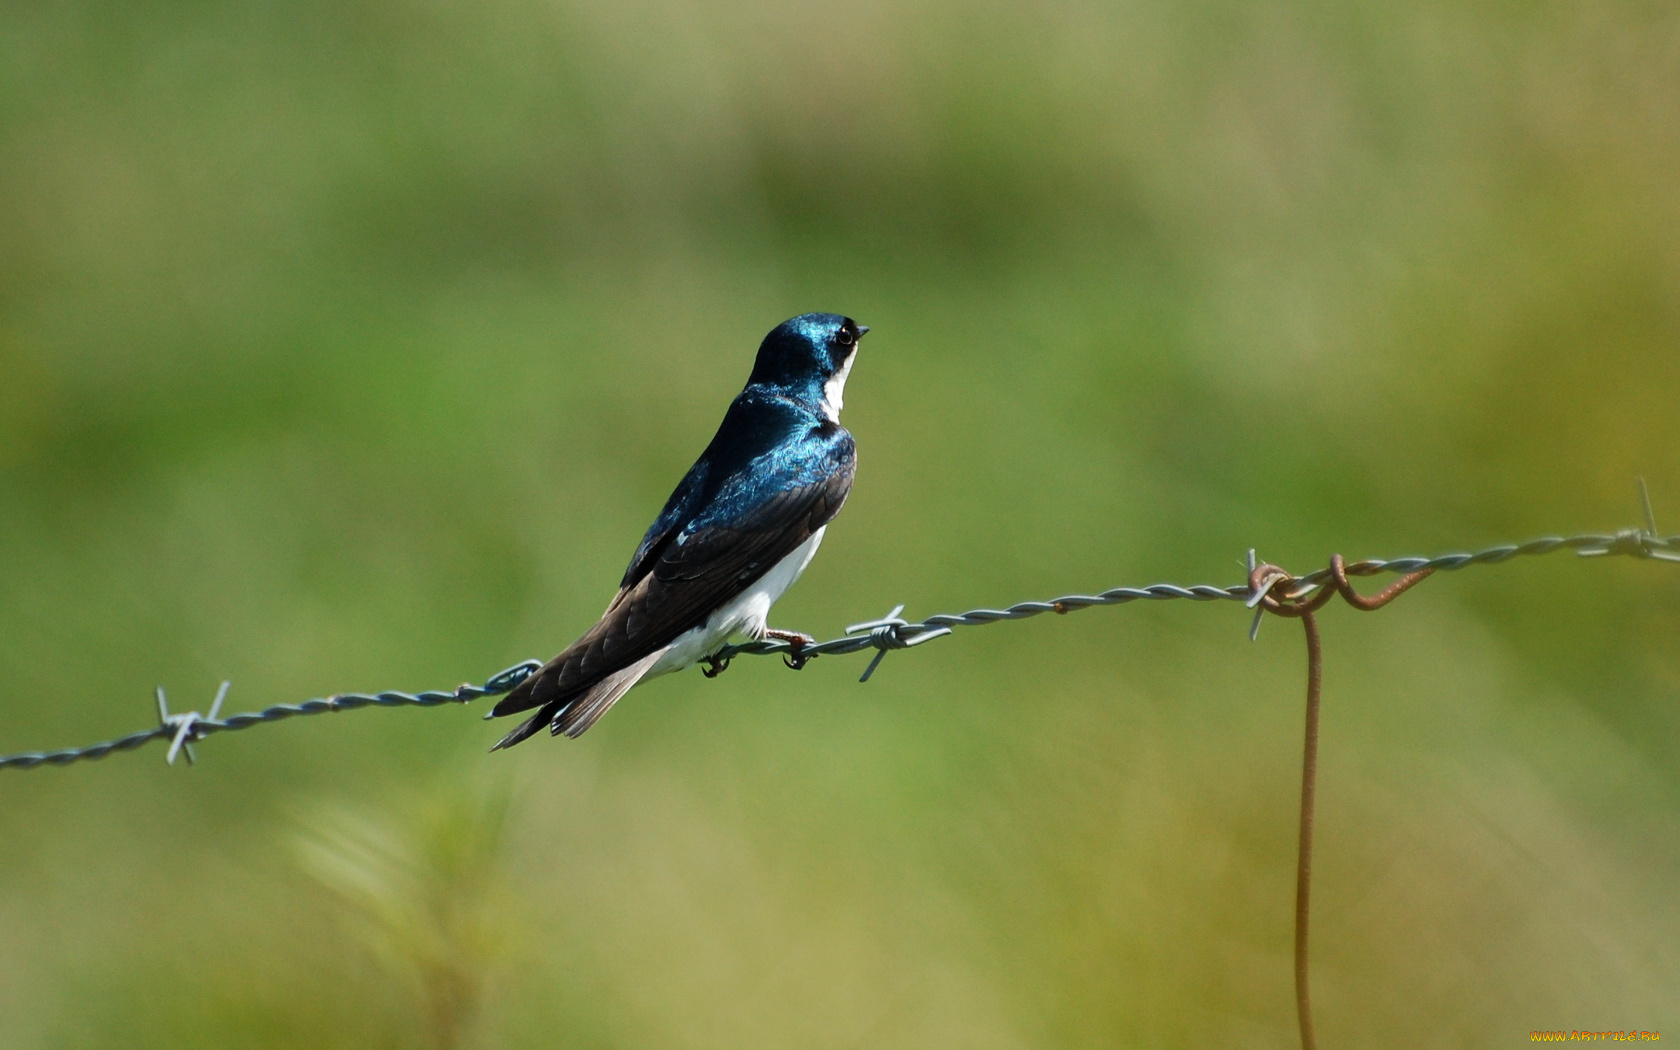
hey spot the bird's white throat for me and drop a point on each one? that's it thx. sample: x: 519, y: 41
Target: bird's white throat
x: 834, y: 391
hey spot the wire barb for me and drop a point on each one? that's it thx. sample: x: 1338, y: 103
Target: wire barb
x: 1639, y: 543
x: 889, y: 633
x: 185, y: 727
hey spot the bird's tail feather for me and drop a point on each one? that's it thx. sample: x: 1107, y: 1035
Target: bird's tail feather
x: 527, y: 727
x: 574, y: 715
x: 576, y: 719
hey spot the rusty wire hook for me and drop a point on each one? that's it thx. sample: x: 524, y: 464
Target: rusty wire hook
x: 1279, y: 592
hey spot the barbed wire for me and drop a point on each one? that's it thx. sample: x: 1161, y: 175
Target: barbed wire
x: 185, y: 729
x: 891, y: 632
x: 1268, y: 589
x: 884, y: 635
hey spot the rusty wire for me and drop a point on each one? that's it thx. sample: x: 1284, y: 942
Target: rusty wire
x: 1276, y: 591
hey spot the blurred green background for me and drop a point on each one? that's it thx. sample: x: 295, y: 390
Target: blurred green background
x: 351, y: 345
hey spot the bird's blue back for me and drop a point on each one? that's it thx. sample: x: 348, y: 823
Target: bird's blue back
x: 769, y: 442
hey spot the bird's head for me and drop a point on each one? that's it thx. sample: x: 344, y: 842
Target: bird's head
x: 809, y: 356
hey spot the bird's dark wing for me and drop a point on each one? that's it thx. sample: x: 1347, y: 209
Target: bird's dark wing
x: 756, y: 518
x: 679, y: 510
x: 753, y: 431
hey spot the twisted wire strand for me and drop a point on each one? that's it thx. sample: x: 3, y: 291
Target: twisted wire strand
x: 198, y: 727
x: 1628, y: 542
x: 881, y: 635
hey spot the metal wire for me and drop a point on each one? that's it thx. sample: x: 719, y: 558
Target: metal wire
x: 894, y: 633
x: 186, y: 728
x: 883, y: 635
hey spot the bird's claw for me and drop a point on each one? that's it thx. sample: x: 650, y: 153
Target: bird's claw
x: 796, y: 657
x: 714, y: 666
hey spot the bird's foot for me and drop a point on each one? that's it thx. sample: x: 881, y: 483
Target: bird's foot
x: 714, y: 665
x: 797, y: 641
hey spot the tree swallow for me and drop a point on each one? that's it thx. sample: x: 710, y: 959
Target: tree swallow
x: 741, y: 526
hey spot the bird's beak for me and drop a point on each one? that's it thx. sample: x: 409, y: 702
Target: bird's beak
x: 863, y: 330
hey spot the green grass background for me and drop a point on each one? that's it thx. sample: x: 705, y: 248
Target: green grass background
x: 350, y: 346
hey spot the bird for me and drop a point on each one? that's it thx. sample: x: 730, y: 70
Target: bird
x: 734, y: 535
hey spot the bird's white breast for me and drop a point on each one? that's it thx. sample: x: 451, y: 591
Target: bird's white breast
x: 747, y: 613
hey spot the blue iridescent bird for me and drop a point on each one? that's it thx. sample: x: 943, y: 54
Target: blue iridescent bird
x: 741, y: 526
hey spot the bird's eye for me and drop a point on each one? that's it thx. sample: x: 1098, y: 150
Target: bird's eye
x: 846, y: 337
